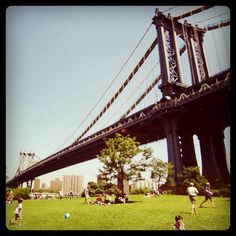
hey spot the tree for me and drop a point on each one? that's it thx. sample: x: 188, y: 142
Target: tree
x: 118, y: 159
x: 191, y: 174
x: 159, y: 171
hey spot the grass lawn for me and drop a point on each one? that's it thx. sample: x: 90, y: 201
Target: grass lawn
x: 155, y: 213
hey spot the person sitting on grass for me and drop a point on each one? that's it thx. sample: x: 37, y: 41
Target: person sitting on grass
x: 125, y: 198
x: 18, y: 210
x: 119, y: 199
x: 179, y: 224
x: 99, y: 200
x: 108, y: 199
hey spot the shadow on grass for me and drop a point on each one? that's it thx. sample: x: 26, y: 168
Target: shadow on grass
x: 126, y: 202
x: 132, y: 202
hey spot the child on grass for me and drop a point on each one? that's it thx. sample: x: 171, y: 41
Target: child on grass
x: 18, y: 211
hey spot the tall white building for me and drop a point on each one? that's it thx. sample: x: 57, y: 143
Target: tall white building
x: 74, y: 183
x: 144, y: 184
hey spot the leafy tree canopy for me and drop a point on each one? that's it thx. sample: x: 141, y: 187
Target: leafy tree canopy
x: 118, y: 158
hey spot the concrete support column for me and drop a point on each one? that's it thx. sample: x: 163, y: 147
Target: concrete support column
x: 214, y: 166
x: 209, y: 166
x: 220, y: 155
x: 188, y: 151
x: 173, y: 145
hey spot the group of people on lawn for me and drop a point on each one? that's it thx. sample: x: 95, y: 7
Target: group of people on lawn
x: 119, y: 198
x: 192, y: 193
x: 105, y: 199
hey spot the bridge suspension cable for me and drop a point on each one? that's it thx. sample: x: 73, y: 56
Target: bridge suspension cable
x: 90, y: 112
x: 192, y: 12
x: 128, y: 98
x: 121, y: 88
x: 184, y: 15
x: 171, y: 8
x: 212, y: 17
x: 27, y: 159
x: 214, y: 26
x: 181, y: 51
x: 143, y: 95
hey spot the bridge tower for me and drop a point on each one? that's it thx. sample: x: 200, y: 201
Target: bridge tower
x: 27, y: 159
x: 179, y: 137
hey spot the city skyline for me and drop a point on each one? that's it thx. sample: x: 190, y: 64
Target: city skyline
x: 60, y: 60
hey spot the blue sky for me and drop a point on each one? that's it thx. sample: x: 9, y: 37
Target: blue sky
x: 61, y: 60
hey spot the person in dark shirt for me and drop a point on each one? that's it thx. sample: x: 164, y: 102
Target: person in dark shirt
x: 208, y: 195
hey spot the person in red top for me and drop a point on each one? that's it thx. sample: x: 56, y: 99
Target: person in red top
x: 208, y: 195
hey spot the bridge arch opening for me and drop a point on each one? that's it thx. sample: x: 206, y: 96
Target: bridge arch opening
x: 197, y: 151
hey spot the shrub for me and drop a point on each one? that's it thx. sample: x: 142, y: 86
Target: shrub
x: 216, y: 192
x: 21, y: 192
x: 98, y: 191
x: 225, y: 192
x: 113, y: 190
x: 140, y: 191
x: 168, y: 191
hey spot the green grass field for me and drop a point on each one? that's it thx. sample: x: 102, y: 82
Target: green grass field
x: 155, y: 213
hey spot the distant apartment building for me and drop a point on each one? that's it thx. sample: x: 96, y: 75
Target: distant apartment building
x: 56, y: 184
x: 36, y: 184
x: 143, y: 184
x: 74, y: 183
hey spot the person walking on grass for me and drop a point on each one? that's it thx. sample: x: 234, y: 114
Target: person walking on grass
x: 208, y: 195
x: 192, y: 193
x: 18, y: 212
x: 87, y: 196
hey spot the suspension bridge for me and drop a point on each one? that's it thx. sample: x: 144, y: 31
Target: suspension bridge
x: 201, y: 107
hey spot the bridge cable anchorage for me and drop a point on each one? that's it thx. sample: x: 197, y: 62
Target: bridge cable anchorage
x: 192, y: 12
x: 123, y: 86
x: 90, y: 112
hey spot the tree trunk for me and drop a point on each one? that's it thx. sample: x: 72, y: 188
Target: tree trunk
x: 120, y: 181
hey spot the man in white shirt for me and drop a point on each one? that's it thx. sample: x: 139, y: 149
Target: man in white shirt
x: 192, y: 193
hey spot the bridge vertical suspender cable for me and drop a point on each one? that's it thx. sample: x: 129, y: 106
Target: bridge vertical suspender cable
x: 108, y: 88
x: 121, y: 88
x: 104, y: 92
x: 131, y: 75
x: 127, y: 99
x: 181, y: 51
